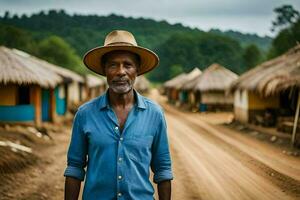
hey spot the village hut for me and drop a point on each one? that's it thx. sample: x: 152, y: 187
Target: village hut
x: 142, y: 84
x: 22, y: 83
x: 170, y: 90
x: 95, y: 86
x: 269, y: 93
x: 211, y: 86
x: 187, y: 90
x: 183, y: 93
x: 173, y: 86
x: 68, y: 93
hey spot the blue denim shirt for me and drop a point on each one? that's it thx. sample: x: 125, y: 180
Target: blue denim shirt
x: 118, y: 163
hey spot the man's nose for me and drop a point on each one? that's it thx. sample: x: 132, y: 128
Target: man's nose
x: 121, y: 69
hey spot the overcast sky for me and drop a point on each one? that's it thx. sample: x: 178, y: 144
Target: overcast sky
x: 248, y: 16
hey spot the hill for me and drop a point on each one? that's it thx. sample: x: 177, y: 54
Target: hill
x: 84, y: 32
x: 246, y: 39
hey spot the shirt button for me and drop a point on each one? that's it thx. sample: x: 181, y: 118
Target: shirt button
x: 116, y: 128
x: 119, y: 194
x: 121, y: 138
x: 119, y: 177
x: 120, y: 159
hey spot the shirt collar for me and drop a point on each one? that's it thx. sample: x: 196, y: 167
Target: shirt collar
x: 140, y: 101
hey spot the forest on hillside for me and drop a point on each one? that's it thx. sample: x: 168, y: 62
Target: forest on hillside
x: 63, y: 39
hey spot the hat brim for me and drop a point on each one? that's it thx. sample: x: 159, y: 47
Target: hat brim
x: 92, y: 59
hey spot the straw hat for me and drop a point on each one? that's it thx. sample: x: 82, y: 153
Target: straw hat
x: 120, y: 40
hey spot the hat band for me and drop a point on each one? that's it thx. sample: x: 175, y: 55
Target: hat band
x: 120, y: 43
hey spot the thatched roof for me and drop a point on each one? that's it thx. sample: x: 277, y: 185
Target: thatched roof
x: 141, y: 83
x: 19, y: 69
x: 273, y: 76
x: 181, y: 79
x: 215, y: 78
x: 68, y: 75
x: 94, y: 81
x: 171, y: 83
x: 191, y: 84
x: 189, y: 77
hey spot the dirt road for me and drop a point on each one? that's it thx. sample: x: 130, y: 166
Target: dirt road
x: 210, y: 161
x: 44, y: 180
x: 214, y: 162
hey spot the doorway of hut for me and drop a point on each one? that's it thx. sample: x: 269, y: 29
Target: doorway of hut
x: 23, y: 95
x: 287, y: 110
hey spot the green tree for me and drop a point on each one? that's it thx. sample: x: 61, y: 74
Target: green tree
x: 175, y: 70
x: 290, y: 35
x: 286, y: 15
x: 13, y: 37
x: 6, y: 15
x: 194, y: 50
x: 55, y: 50
x: 251, y: 56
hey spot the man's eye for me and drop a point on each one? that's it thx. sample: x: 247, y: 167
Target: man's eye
x: 128, y: 65
x: 112, y: 65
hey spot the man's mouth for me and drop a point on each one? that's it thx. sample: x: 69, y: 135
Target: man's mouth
x: 120, y: 82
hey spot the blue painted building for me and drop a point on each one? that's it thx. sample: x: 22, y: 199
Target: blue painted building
x: 26, y: 89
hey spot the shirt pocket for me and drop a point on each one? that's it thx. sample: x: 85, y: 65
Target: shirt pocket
x: 139, y: 149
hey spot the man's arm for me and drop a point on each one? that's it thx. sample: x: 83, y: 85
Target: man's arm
x: 161, y: 161
x: 72, y: 188
x: 164, y: 190
x: 77, y: 159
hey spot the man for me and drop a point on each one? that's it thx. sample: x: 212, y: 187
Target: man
x: 121, y: 134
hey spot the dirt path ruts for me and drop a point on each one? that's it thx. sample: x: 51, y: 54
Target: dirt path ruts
x: 219, y: 174
x: 263, y: 159
x: 228, y: 165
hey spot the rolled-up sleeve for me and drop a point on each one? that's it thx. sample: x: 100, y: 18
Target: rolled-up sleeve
x: 77, y: 153
x: 161, y: 160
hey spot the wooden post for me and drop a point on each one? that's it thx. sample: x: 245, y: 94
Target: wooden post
x: 36, y: 95
x: 296, y: 120
x: 52, y: 105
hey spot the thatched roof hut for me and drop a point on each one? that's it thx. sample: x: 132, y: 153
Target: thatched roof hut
x: 273, y: 76
x: 142, y: 84
x: 16, y: 67
x: 191, y: 84
x: 171, y: 83
x: 215, y: 78
x: 181, y: 79
x: 196, y: 72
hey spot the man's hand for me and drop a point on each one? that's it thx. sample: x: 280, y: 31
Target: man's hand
x: 164, y: 190
x: 72, y: 188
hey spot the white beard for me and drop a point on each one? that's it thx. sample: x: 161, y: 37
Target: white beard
x: 121, y: 88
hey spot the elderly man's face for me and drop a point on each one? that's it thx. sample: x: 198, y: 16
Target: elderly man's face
x: 121, y: 70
